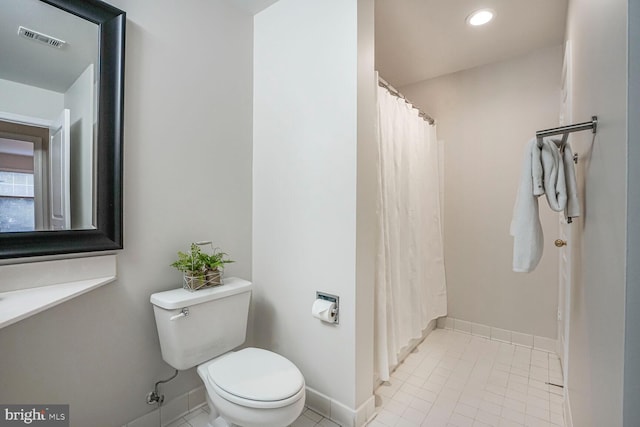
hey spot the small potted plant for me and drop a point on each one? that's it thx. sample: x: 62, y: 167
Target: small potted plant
x: 214, y: 266
x: 201, y: 270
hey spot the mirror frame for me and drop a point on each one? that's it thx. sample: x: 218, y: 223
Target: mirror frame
x: 109, y: 159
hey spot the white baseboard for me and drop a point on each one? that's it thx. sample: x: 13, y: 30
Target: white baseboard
x: 513, y: 337
x: 336, y: 411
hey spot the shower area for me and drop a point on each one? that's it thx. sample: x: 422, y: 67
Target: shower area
x: 487, y: 103
x: 478, y: 94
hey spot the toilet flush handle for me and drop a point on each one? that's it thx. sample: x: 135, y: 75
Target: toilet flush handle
x: 183, y: 313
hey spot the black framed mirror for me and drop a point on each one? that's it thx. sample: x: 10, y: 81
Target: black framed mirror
x: 102, y: 229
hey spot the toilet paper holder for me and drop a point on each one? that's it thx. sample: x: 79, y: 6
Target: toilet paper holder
x: 333, y: 298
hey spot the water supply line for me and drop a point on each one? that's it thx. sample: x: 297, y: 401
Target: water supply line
x: 154, y: 397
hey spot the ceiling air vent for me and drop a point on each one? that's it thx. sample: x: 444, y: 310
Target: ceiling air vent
x: 40, y: 37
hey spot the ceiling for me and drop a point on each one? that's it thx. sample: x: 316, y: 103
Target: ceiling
x: 421, y: 39
x: 34, y: 64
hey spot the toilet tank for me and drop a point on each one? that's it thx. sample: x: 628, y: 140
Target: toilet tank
x: 215, y: 324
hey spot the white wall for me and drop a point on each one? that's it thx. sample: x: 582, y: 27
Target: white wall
x: 187, y: 154
x: 597, y: 32
x: 631, y: 415
x: 367, y: 190
x: 485, y: 116
x: 304, y: 178
x: 17, y: 98
x: 79, y: 100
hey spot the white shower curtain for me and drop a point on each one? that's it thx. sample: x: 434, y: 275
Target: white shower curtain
x: 410, y: 288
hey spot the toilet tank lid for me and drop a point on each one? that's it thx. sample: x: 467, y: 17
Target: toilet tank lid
x: 179, y: 298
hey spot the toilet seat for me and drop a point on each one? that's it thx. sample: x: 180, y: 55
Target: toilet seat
x: 256, y: 378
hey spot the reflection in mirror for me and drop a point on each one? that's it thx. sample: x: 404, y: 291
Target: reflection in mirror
x: 61, y: 127
x: 17, y: 204
x: 48, y: 117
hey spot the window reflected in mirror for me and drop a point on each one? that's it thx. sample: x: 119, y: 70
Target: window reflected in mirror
x: 16, y: 202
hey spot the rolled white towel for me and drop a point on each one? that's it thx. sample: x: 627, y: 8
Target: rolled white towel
x: 555, y: 187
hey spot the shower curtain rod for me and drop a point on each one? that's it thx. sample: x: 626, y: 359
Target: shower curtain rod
x: 395, y: 92
x: 593, y: 125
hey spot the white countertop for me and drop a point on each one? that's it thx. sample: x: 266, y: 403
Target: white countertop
x: 19, y: 304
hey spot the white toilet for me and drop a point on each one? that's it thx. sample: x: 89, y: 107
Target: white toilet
x: 250, y: 387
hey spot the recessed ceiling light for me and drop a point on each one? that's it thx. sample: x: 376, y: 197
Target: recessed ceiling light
x: 480, y: 17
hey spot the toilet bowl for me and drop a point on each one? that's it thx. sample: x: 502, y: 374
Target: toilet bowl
x: 251, y: 387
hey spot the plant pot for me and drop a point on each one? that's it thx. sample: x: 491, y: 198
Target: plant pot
x: 201, y: 280
x: 214, y: 277
x: 193, y: 280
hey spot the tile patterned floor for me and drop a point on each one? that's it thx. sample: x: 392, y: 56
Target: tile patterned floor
x: 197, y: 418
x: 312, y: 419
x: 454, y: 379
x: 200, y: 417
